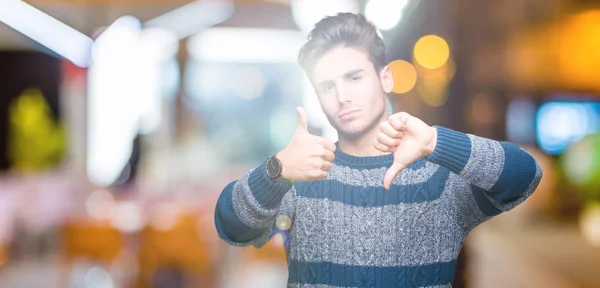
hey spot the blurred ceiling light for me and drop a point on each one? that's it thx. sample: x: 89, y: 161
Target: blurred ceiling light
x: 307, y: 13
x: 191, y: 18
x: 113, y: 115
x: 431, y: 52
x: 385, y: 14
x: 42, y: 28
x: 159, y: 43
x: 246, y: 45
x: 405, y: 76
x: 155, y: 48
x: 124, y: 31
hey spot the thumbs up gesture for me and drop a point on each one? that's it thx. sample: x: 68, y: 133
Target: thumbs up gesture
x: 307, y: 157
x: 408, y: 138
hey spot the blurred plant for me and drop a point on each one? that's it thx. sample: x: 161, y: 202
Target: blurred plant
x: 35, y: 140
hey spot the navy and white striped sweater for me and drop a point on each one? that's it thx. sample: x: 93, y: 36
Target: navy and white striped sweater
x: 348, y: 231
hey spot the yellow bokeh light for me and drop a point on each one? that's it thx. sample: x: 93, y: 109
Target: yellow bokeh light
x: 431, y: 52
x: 405, y: 76
x: 433, y: 96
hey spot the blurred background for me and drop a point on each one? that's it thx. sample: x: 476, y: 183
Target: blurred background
x: 121, y: 121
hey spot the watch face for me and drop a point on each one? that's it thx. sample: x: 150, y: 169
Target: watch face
x: 273, y: 168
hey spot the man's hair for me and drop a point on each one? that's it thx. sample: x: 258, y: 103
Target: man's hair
x: 346, y: 30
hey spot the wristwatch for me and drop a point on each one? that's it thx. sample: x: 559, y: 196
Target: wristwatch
x: 274, y: 169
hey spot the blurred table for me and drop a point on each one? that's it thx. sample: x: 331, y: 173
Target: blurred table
x: 535, y: 254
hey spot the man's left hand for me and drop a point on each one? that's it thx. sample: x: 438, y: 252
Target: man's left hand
x: 408, y: 138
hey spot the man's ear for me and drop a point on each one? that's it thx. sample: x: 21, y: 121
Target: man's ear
x: 387, y: 81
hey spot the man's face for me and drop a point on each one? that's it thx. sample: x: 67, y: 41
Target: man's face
x: 351, y: 92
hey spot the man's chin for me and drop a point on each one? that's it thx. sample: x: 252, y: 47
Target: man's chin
x: 350, y: 132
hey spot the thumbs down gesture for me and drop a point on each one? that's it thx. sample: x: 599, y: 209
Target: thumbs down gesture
x: 408, y: 138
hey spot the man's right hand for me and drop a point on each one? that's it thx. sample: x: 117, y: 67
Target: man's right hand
x: 307, y: 157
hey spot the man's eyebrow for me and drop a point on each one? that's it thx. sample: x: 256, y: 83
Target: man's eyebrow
x: 347, y: 75
x: 352, y: 73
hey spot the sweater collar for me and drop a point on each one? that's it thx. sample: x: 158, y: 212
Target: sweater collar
x: 344, y: 159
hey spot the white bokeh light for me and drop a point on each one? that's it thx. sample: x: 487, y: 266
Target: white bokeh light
x: 385, y: 14
x: 112, y: 119
x: 307, y: 13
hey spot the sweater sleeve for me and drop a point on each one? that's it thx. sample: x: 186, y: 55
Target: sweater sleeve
x: 500, y: 174
x: 247, y: 207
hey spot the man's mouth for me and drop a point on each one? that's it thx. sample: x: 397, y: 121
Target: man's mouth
x: 346, y: 114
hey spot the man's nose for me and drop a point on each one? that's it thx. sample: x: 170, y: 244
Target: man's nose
x: 343, y: 94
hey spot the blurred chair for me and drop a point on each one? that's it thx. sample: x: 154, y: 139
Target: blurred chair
x: 177, y: 249
x: 97, y: 241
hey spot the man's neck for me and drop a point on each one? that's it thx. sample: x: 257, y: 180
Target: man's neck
x: 361, y: 146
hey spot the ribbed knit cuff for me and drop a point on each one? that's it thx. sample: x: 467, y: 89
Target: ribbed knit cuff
x: 452, y: 149
x: 267, y: 192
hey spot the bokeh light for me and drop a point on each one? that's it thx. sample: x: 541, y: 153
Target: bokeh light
x: 589, y: 224
x: 432, y: 96
x: 559, y: 124
x: 307, y: 13
x: 164, y: 216
x: 100, y: 204
x: 405, y: 76
x: 581, y: 163
x: 431, y: 51
x: 578, y: 55
x: 283, y: 222
x: 433, y: 83
x: 127, y: 217
x: 385, y: 14
x: 98, y: 277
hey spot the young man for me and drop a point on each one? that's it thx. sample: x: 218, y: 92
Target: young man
x: 391, y: 202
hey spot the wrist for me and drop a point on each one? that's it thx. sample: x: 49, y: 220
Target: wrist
x: 281, y: 157
x: 268, y: 193
x: 430, y: 146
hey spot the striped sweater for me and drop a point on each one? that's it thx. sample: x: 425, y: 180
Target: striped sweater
x: 348, y: 231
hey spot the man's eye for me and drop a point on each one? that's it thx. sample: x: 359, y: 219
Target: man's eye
x: 355, y: 78
x: 327, y: 87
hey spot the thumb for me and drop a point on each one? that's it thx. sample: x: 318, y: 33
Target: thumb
x: 302, y: 126
x: 391, y: 174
